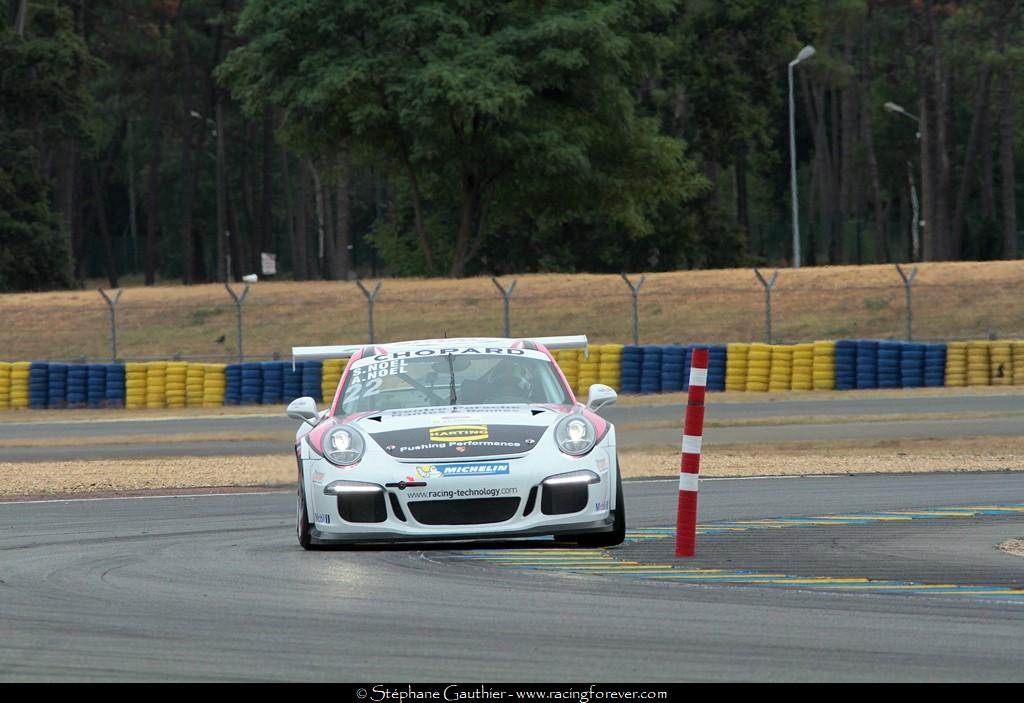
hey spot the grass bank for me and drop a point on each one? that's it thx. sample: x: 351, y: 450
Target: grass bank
x: 966, y: 299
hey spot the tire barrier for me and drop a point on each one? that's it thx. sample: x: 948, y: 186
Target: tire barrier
x: 867, y: 363
x: 781, y: 370
x: 978, y: 363
x: 291, y: 382
x: 273, y: 382
x: 650, y: 370
x: 567, y: 360
x: 330, y: 377
x: 134, y: 386
x: 956, y: 364
x: 38, y: 384
x: 214, y: 385
x: 5, y: 385
x: 803, y: 368
x: 846, y: 365
x: 687, y: 364
x: 610, y: 370
x: 716, y: 368
x: 195, y: 379
x: 175, y: 393
x: 1000, y: 363
x: 57, y: 394
x: 96, y: 388
x: 115, y: 392
x: 912, y: 365
x: 1018, y: 363
x: 252, y: 383
x: 934, y: 365
x: 156, y: 385
x: 632, y: 361
x: 889, y: 364
x: 20, y: 373
x: 588, y: 366
x: 77, y: 386
x: 673, y: 367
x: 233, y: 384
x: 759, y: 364
x: 824, y: 367
x: 736, y: 367
x: 311, y: 380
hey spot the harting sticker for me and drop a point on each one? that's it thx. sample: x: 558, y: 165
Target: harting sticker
x: 474, y: 469
x: 458, y: 433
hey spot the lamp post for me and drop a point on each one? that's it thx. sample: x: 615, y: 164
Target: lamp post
x: 805, y: 53
x: 916, y: 224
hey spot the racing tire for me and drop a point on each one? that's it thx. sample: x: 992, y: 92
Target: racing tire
x: 302, y: 520
x: 618, y: 534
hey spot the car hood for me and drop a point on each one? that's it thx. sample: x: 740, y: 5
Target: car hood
x: 459, y: 432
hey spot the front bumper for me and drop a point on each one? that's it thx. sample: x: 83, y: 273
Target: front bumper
x: 516, y: 504
x: 384, y: 536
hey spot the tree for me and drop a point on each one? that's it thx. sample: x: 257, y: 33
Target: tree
x: 43, y: 102
x: 488, y: 109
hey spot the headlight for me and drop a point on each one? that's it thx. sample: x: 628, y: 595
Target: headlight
x: 343, y: 446
x: 575, y: 435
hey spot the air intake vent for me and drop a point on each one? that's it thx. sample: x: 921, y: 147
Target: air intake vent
x: 396, y: 507
x: 474, y: 511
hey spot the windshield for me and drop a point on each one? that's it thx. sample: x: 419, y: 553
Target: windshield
x: 388, y: 384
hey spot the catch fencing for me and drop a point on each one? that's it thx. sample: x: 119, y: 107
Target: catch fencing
x: 255, y: 323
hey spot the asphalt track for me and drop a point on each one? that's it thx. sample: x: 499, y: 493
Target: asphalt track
x: 772, y: 412
x: 215, y: 587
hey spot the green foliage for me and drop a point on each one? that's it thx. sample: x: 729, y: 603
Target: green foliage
x: 506, y: 110
x: 43, y: 99
x: 33, y: 253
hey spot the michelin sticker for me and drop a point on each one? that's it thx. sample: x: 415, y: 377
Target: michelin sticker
x: 449, y: 470
x: 322, y: 518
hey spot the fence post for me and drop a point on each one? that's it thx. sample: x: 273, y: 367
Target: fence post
x: 370, y: 298
x: 635, y: 291
x: 768, y: 285
x: 112, y: 304
x: 506, y: 293
x: 908, y: 280
x: 239, y: 299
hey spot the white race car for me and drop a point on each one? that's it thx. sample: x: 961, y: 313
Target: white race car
x: 456, y: 439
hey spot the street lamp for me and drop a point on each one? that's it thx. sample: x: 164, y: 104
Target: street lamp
x: 915, y: 224
x: 805, y: 53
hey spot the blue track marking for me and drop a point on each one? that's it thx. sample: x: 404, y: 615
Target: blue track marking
x: 609, y: 563
x: 776, y: 523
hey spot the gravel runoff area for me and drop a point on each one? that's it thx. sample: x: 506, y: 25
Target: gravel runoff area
x: 107, y: 476
x: 1013, y: 546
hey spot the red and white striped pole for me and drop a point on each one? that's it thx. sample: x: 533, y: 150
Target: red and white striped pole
x: 693, y: 432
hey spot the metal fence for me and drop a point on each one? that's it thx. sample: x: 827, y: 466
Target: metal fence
x: 248, y: 323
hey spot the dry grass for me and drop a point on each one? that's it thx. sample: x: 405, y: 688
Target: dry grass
x: 951, y: 300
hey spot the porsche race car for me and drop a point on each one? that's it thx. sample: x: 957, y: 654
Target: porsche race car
x: 456, y: 439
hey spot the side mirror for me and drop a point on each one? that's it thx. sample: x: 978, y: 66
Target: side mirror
x: 304, y: 409
x: 599, y: 396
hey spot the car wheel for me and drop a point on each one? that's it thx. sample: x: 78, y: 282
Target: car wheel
x: 302, y: 519
x: 618, y: 533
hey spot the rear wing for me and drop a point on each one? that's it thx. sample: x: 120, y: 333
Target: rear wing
x: 342, y: 351
x: 320, y: 353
